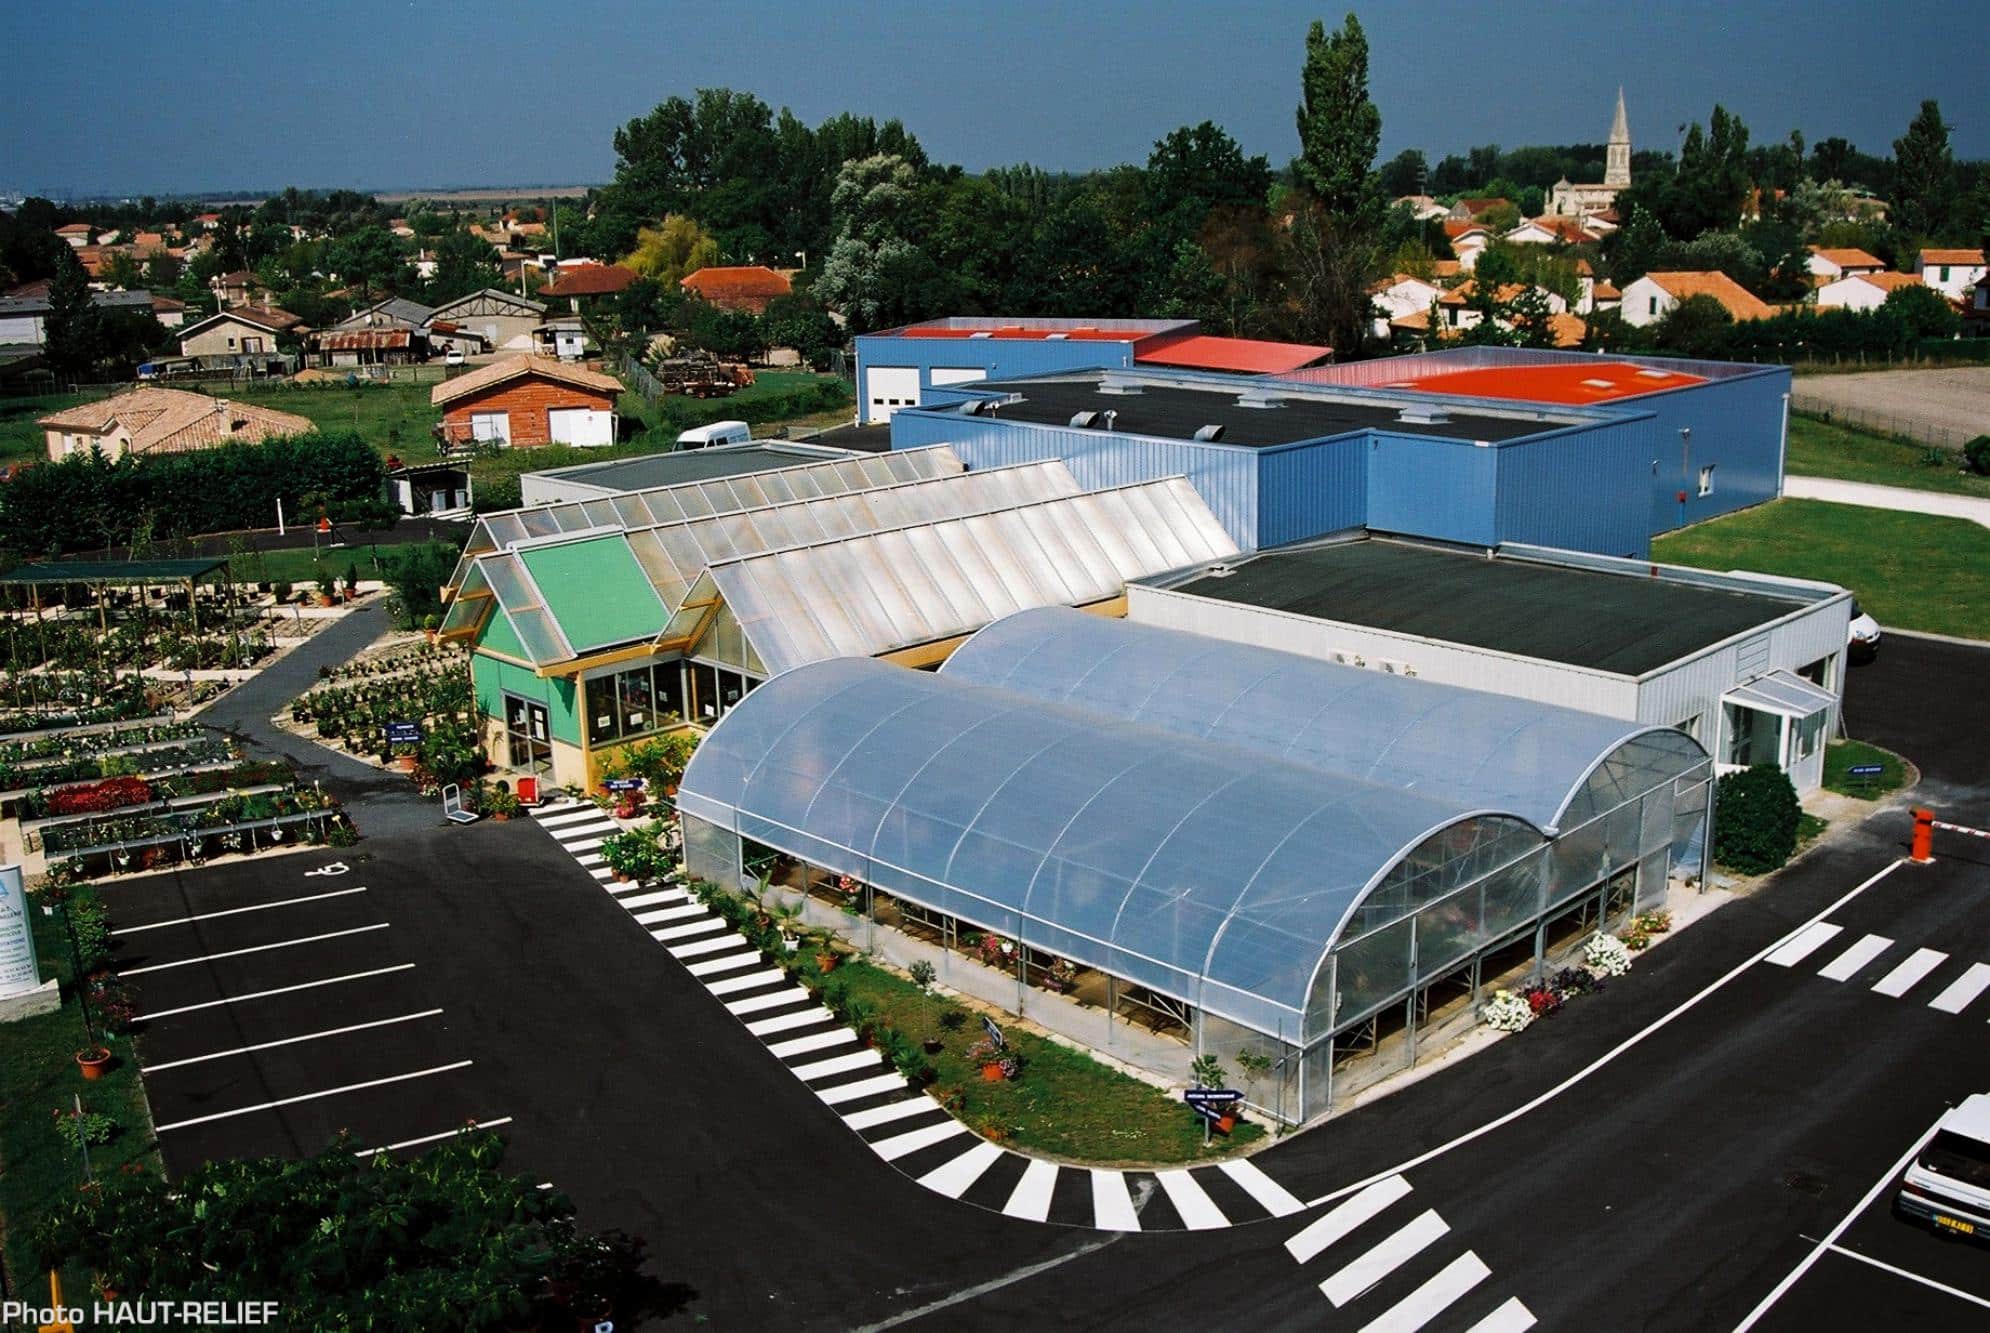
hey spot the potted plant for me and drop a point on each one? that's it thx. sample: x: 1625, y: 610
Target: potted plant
x: 502, y: 804
x: 989, y: 1056
x: 406, y: 756
x: 93, y: 1061
x: 933, y: 1045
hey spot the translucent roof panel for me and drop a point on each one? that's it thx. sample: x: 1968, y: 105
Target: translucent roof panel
x: 874, y: 593
x: 1203, y: 871
x: 1486, y: 751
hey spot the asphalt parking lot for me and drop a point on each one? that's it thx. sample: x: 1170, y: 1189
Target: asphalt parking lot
x: 279, y: 1006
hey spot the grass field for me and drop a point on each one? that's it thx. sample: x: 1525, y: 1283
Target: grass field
x: 1840, y: 757
x: 38, y: 1076
x: 1911, y: 571
x: 1821, y: 448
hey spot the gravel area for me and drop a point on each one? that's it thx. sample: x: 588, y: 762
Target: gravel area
x: 1941, y: 407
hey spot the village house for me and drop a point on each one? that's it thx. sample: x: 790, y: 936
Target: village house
x: 497, y: 317
x: 587, y: 282
x: 147, y: 420
x: 747, y: 288
x: 525, y: 401
x: 1862, y: 291
x: 1953, y: 273
x: 1828, y: 264
x: 1655, y: 295
x: 238, y: 333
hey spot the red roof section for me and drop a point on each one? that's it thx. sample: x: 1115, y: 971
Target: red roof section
x: 1249, y: 356
x: 1018, y: 332
x: 590, y: 280
x: 743, y: 280
x: 1568, y: 384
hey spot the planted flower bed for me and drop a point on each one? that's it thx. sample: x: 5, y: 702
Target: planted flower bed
x: 58, y: 702
x: 238, y: 822
x: 135, y: 637
x: 167, y: 758
x: 16, y: 753
x: 358, y: 714
x: 120, y: 792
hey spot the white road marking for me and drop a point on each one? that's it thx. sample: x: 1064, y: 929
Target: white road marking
x: 788, y: 1022
x: 862, y: 1088
x: 699, y: 948
x: 312, y: 1096
x: 1942, y: 1287
x: 1963, y: 989
x: 754, y: 1004
x: 681, y: 912
x: 1432, y: 1298
x: 955, y: 1177
x: 288, y: 1041
x: 1512, y: 1317
x: 893, y: 1148
x: 814, y: 1041
x: 237, y: 911
x: 713, y: 966
x: 564, y: 818
x: 890, y: 1111
x: 265, y: 994
x: 837, y: 1064
x: 1385, y: 1257
x: 572, y: 834
x: 1030, y: 1200
x: 1112, y: 1206
x: 690, y: 928
x: 259, y: 948
x: 1273, y: 1197
x: 1848, y: 963
x: 1629, y: 1043
x: 1880, y: 1186
x: 434, y: 1138
x: 1905, y: 977
x: 747, y: 981
x: 584, y: 845
x: 1806, y: 942
x: 1326, y: 1230
x: 651, y: 899
x: 1198, y: 1211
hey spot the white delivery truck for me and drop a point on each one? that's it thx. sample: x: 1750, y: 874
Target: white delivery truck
x: 719, y: 432
x: 1948, y: 1185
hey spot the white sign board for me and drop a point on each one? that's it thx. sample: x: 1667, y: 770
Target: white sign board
x: 18, y: 972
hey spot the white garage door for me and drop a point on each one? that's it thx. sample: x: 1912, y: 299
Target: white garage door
x: 580, y: 426
x: 890, y: 388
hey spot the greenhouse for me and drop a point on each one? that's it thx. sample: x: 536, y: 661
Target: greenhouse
x: 1312, y: 900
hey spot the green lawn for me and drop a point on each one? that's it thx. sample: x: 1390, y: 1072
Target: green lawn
x: 19, y: 436
x: 366, y: 550
x: 1911, y: 571
x: 38, y: 1075
x: 1841, y: 756
x: 1065, y: 1102
x: 1820, y: 448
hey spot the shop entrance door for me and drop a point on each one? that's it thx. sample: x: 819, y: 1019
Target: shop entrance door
x: 528, y: 736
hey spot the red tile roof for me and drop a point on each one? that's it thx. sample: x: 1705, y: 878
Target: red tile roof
x: 514, y: 367
x: 1845, y: 257
x: 1252, y: 356
x: 1965, y: 257
x: 1581, y: 382
x: 1890, y: 282
x: 747, y: 280
x: 590, y: 280
x: 1738, y: 300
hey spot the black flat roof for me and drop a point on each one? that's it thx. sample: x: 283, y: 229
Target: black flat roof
x: 1585, y: 618
x: 1177, y: 413
x: 682, y: 465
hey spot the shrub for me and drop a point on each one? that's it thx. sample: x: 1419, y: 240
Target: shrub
x: 1607, y: 955
x: 91, y: 1127
x: 1977, y: 454
x: 1755, y: 819
x: 922, y: 974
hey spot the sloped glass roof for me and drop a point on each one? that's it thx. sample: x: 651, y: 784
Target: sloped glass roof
x: 1205, y: 871
x: 701, y: 499
x: 1468, y: 746
x: 872, y: 593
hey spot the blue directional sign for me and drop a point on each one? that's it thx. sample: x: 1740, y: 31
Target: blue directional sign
x: 1212, y: 1096
x: 404, y: 733
x: 994, y: 1033
x: 623, y: 784
x: 1866, y: 770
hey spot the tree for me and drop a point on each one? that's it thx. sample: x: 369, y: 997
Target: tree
x: 1532, y: 318
x: 1328, y: 263
x: 463, y: 264
x: 1405, y: 173
x: 416, y: 575
x: 371, y: 258
x: 1924, y: 174
x: 1200, y: 167
x: 1923, y: 312
x: 1698, y: 326
x: 1755, y: 819
x: 121, y: 271
x: 875, y: 274
x: 1636, y: 249
x: 1339, y: 128
x: 800, y: 322
x: 74, y: 327
x: 441, y: 1241
x: 675, y: 247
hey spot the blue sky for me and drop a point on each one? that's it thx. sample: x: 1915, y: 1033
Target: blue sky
x: 128, y: 98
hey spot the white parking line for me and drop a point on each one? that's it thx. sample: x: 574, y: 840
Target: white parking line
x: 837, y: 1064
x: 564, y: 817
x: 890, y: 1111
x: 1942, y: 1287
x: 814, y: 1041
x: 236, y: 911
x: 265, y: 994
x: 288, y: 1041
x: 1880, y: 1186
x: 259, y: 948
x: 1905, y: 977
x: 1804, y: 943
x: 434, y: 1138
x: 311, y: 1096
x: 1963, y: 989
x: 1384, y: 1257
x: 893, y: 1148
x: 866, y: 1087
x: 1847, y: 964
x: 1433, y: 1297
x: 1332, y: 1227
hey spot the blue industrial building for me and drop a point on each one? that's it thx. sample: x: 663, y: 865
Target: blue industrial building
x: 1409, y: 449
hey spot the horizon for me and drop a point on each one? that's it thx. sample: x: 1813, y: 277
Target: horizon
x: 1012, y: 86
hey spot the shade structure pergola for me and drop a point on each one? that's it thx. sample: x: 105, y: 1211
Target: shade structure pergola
x: 101, y: 574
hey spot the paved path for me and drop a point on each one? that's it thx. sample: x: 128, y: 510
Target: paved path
x: 1888, y: 497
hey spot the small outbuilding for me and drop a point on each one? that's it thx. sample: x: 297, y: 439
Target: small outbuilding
x: 525, y: 401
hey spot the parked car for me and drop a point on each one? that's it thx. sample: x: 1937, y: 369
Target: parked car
x: 453, y: 357
x: 1947, y: 1187
x: 719, y: 432
x: 1864, y: 645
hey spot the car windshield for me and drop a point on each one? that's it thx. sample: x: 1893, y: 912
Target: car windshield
x: 1961, y: 1159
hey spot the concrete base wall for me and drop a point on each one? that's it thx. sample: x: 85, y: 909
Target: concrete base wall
x: 44, y: 999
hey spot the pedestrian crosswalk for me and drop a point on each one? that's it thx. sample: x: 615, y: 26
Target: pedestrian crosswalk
x: 900, y: 1123
x: 1883, y: 966
x: 1397, y: 1266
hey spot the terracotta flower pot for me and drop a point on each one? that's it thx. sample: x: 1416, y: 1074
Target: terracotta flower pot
x: 93, y: 1063
x: 933, y: 1045
x: 406, y: 762
x: 500, y: 816
x: 1226, y: 1123
x: 991, y: 1072
x: 826, y: 961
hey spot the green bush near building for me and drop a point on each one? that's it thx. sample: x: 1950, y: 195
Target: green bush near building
x: 1756, y: 819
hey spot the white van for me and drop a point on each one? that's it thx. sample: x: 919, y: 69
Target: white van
x: 1948, y: 1184
x: 719, y: 432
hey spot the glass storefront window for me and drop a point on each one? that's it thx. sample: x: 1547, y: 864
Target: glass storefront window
x: 669, y: 684
x: 634, y: 690
x: 601, y: 710
x: 704, y: 692
x: 732, y: 686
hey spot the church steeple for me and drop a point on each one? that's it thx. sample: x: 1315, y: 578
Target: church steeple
x: 1617, y: 160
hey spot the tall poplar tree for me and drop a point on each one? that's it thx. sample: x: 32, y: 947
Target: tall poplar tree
x: 1924, y: 174
x: 1339, y: 128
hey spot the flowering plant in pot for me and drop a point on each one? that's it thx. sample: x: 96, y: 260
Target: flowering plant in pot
x: 502, y: 804
x: 1507, y: 1012
x: 1607, y: 955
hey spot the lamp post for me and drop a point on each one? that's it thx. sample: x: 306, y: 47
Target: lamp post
x: 803, y: 256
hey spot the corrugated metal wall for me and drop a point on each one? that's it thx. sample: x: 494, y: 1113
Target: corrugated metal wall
x: 1225, y: 476
x: 1423, y: 486
x: 1001, y: 358
x: 1581, y: 489
x: 1738, y: 427
x: 1311, y: 489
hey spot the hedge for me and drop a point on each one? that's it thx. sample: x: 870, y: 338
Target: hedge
x: 1755, y: 819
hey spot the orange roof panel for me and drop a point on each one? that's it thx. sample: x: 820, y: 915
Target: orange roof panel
x: 1570, y: 384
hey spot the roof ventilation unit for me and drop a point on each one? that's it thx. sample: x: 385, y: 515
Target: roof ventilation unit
x: 1122, y: 387
x: 1055, y: 337
x: 1423, y: 413
x: 1655, y: 374
x: 976, y: 407
x: 982, y: 334
x: 1259, y: 398
x: 1219, y: 571
x: 1083, y: 420
x: 1599, y: 384
x: 1209, y: 434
